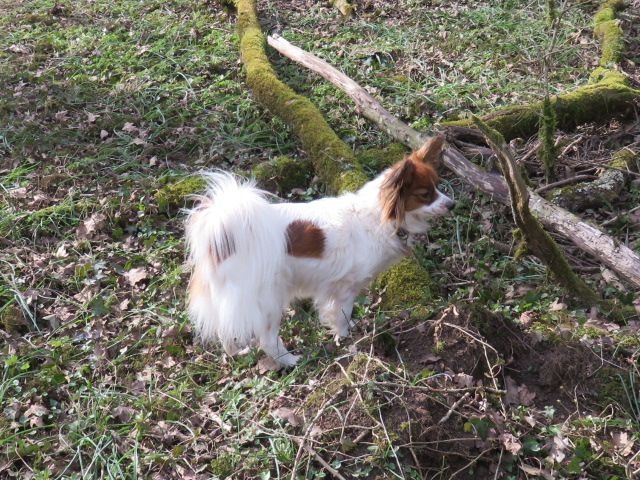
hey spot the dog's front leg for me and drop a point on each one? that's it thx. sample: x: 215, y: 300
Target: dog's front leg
x: 335, y: 312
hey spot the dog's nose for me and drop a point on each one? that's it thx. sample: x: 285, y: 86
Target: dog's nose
x: 451, y: 205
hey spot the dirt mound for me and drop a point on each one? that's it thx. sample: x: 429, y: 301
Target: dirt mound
x: 447, y: 390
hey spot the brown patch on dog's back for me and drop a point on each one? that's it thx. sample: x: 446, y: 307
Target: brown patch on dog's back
x: 305, y: 239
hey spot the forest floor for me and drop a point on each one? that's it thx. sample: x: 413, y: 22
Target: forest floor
x: 499, y: 374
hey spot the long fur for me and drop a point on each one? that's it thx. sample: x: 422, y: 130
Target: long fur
x: 236, y: 212
x: 251, y: 257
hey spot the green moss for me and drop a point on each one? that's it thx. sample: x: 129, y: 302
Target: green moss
x: 174, y: 194
x: 548, y: 152
x: 331, y: 157
x: 610, y: 387
x: 601, y: 191
x: 283, y: 174
x: 599, y: 101
x: 607, y: 30
x: 405, y: 285
x: 377, y: 159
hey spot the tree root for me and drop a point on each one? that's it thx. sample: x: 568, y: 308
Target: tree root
x: 607, y: 95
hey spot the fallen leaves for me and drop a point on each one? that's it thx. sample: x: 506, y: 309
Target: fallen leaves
x: 92, y: 226
x: 288, y: 415
x: 136, y: 275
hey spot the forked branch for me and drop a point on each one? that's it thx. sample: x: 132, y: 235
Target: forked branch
x: 585, y: 236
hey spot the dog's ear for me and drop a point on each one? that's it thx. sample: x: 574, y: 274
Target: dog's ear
x: 430, y: 152
x: 393, y: 192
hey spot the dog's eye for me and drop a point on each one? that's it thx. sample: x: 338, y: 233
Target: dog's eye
x: 428, y: 196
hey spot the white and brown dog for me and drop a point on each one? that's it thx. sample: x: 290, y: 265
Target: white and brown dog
x: 252, y: 257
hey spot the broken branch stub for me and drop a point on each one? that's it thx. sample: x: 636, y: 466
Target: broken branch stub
x: 538, y: 241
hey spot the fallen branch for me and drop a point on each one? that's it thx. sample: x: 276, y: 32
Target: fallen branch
x: 538, y: 241
x: 585, y: 236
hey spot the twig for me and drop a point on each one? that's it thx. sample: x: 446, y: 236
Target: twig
x: 307, y: 432
x: 455, y: 405
x: 566, y: 181
x: 473, y: 460
x: 427, y: 388
x: 619, y: 216
x: 321, y: 461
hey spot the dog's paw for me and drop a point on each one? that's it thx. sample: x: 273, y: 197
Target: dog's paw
x: 288, y: 360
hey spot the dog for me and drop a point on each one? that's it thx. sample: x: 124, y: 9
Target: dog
x: 251, y: 257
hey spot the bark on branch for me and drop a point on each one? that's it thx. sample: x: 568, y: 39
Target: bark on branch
x: 585, y: 236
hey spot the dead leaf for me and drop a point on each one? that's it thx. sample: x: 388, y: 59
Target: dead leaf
x: 510, y: 443
x: 612, y: 279
x: 19, y: 192
x: 288, y: 415
x: 34, y: 413
x: 61, y: 116
x: 517, y: 394
x: 463, y: 380
x: 138, y: 141
x: 557, y: 305
x: 267, y: 364
x: 558, y: 446
x: 136, y: 275
x: 62, y: 251
x: 92, y: 117
x: 536, y: 471
x: 123, y: 413
x: 622, y: 442
x: 124, y: 304
x: 103, y: 134
x: 129, y: 128
x: 528, y: 317
x: 92, y: 225
x: 19, y: 49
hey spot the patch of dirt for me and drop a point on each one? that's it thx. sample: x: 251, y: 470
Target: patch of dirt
x: 448, y: 390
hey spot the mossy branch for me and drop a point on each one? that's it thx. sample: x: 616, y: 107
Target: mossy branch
x: 345, y: 7
x: 538, y: 241
x: 600, y: 101
x: 607, y: 30
x: 333, y: 160
x: 607, y: 95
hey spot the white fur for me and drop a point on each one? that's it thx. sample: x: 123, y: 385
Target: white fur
x: 244, y: 294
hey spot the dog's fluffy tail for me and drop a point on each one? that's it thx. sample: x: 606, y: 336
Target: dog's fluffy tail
x: 237, y: 244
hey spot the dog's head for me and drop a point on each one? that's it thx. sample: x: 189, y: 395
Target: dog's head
x: 409, y: 194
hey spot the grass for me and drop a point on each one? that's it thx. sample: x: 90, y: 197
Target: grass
x: 104, y: 103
